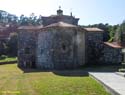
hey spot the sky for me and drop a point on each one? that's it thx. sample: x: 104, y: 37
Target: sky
x: 89, y: 11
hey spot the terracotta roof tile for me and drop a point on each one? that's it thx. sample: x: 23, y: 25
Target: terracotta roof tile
x: 114, y: 44
x: 94, y: 29
x: 30, y: 27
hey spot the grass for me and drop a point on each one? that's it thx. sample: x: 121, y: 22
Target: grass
x: 8, y: 59
x: 14, y: 82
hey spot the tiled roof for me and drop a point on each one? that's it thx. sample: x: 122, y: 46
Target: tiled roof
x: 94, y: 29
x: 60, y: 24
x: 2, y: 28
x: 114, y: 44
x: 30, y: 27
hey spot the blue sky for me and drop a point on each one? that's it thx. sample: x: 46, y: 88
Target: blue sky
x: 89, y: 11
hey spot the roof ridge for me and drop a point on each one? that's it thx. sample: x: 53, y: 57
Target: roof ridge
x: 96, y: 29
x: 61, y: 24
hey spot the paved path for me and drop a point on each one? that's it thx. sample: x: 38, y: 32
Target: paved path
x: 113, y: 82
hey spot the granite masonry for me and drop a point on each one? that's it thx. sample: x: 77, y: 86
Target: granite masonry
x: 60, y: 43
x: 112, y: 54
x: 56, y: 46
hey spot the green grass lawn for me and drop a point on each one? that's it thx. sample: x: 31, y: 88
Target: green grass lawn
x: 13, y: 80
x: 8, y: 59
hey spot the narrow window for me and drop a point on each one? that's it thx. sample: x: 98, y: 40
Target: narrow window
x: 63, y: 47
x: 27, y: 50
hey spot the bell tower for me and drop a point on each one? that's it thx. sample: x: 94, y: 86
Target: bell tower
x: 59, y: 11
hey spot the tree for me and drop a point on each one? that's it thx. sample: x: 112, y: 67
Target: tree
x: 12, y: 45
x: 122, y: 26
x: 2, y: 48
x: 23, y: 20
x: 120, y: 31
x: 31, y: 20
x: 39, y: 20
x: 112, y: 31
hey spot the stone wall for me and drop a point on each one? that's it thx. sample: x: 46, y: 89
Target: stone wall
x: 94, y: 36
x: 64, y: 48
x: 111, y: 55
x: 94, y: 47
x: 60, y: 48
x: 26, y: 48
x: 44, y: 50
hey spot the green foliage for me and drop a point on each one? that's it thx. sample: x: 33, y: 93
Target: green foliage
x: 12, y: 45
x: 9, y: 47
x: 6, y: 17
x: 122, y: 26
x: 31, y: 20
x: 5, y: 58
x: 112, y: 32
x: 119, y: 32
x: 111, y: 39
x: 122, y: 70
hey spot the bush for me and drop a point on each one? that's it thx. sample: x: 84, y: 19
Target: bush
x: 3, y: 57
x: 122, y: 70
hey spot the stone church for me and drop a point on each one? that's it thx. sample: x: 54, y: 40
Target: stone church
x: 60, y: 43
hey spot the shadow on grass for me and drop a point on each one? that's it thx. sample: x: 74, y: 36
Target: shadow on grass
x: 80, y: 72
x: 70, y: 73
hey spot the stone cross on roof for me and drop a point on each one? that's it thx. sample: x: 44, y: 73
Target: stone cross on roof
x: 59, y: 7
